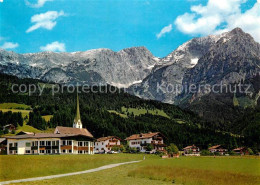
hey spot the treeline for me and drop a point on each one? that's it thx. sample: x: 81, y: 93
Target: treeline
x: 36, y: 120
x: 10, y: 118
x: 96, y: 118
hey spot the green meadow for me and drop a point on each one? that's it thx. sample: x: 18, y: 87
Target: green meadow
x: 47, y: 117
x: 154, y: 170
x: 15, y: 106
x: 26, y: 166
x: 139, y: 111
x: 25, y: 110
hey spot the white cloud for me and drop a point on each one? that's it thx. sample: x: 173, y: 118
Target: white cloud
x: 44, y: 20
x: 54, y: 46
x: 9, y: 45
x: 165, y: 30
x: 40, y: 3
x: 204, y: 20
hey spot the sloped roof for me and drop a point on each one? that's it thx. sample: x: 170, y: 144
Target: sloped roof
x: 106, y: 138
x: 8, y: 125
x: 41, y: 135
x: 23, y: 132
x: 240, y: 148
x: 143, y: 136
x: 70, y: 130
x: 216, y: 147
x: 190, y: 147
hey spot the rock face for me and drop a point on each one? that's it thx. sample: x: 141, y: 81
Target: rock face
x: 165, y: 81
x: 235, y: 58
x: 231, y: 59
x: 99, y: 66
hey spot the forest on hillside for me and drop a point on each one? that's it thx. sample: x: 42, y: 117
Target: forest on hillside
x: 100, y: 122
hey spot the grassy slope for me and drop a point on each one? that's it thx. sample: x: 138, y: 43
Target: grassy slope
x: 138, y: 112
x: 24, y: 112
x: 47, y: 117
x: 14, y: 106
x: 142, y: 111
x: 115, y: 112
x: 185, y: 170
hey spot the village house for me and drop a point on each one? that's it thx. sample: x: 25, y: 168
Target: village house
x: 140, y: 141
x: 218, y: 149
x: 64, y: 140
x: 105, y: 144
x: 191, y: 151
x: 241, y: 151
x: 9, y: 127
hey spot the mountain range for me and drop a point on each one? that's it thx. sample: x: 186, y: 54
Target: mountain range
x: 230, y: 59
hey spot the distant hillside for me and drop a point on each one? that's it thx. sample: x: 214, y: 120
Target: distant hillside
x: 180, y: 127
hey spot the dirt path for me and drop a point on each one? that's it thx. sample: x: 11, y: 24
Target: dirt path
x: 68, y: 174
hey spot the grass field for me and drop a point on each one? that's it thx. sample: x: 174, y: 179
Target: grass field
x: 14, y: 106
x: 24, y: 112
x: 154, y: 170
x: 138, y: 112
x: 17, y: 167
x: 115, y: 112
x: 47, y: 117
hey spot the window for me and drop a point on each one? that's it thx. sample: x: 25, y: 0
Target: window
x: 27, y: 144
x: 70, y: 151
x: 48, y: 143
x: 53, y: 143
x: 34, y: 143
x: 69, y: 142
x: 42, y: 151
x: 27, y: 151
x: 15, y: 144
x: 57, y: 143
x: 42, y: 143
x: 80, y: 144
x: 10, y: 145
x: 63, y: 151
x: 64, y: 142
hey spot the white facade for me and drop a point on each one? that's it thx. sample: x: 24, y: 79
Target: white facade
x: 77, y: 124
x: 43, y: 146
x: 105, y: 145
x: 138, y: 142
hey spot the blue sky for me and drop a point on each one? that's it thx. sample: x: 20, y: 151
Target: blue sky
x: 160, y: 25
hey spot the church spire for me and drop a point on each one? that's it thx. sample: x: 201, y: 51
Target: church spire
x: 78, y: 113
x: 77, y: 121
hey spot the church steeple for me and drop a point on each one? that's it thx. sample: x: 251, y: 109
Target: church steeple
x: 77, y: 121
